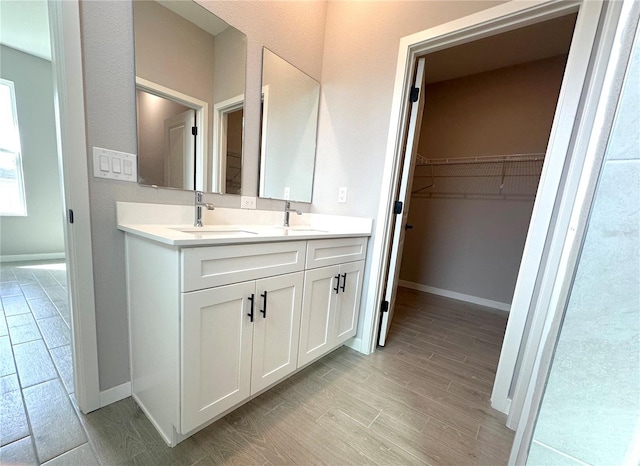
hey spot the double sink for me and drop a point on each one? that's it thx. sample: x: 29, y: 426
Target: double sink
x: 217, y: 230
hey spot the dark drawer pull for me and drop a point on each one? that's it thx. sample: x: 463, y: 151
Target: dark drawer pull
x: 264, y: 305
x: 251, y: 299
x: 337, y: 288
x: 344, y: 281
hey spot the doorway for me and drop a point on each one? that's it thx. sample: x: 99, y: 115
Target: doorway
x: 562, y: 160
x: 59, y: 290
x: 480, y: 148
x: 36, y: 318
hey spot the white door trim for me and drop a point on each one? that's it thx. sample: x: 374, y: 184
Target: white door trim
x: 72, y: 151
x: 263, y: 139
x: 202, y: 120
x: 618, y: 30
x: 550, y: 271
x: 501, y: 18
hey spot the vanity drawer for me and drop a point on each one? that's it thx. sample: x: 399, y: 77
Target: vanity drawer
x: 206, y: 267
x: 324, y: 252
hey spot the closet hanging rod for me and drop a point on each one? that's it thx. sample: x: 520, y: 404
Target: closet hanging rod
x: 423, y: 161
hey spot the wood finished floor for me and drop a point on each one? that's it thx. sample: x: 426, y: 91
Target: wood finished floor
x: 423, y: 399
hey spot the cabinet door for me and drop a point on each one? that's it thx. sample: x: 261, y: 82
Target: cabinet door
x: 348, y: 301
x: 316, y: 327
x: 276, y: 329
x: 216, y: 343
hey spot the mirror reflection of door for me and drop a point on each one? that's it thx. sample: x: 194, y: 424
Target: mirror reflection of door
x: 166, y: 145
x: 233, y: 172
x: 179, y: 150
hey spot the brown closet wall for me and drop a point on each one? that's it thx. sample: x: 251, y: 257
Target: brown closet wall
x: 472, y: 244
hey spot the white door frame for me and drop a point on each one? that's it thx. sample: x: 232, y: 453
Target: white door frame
x: 64, y: 21
x: 202, y: 118
x: 618, y: 30
x: 499, y: 19
x: 219, y: 164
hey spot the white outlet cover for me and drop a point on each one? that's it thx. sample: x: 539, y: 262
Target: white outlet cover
x: 287, y: 193
x: 342, y: 194
x: 247, y: 202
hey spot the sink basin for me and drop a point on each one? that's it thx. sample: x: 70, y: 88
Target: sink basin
x: 214, y: 231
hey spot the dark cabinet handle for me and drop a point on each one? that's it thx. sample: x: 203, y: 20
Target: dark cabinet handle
x: 337, y: 288
x: 344, y: 281
x: 264, y: 305
x: 251, y: 299
x: 408, y: 227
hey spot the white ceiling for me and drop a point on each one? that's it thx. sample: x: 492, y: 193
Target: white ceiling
x: 536, y: 42
x: 24, y: 25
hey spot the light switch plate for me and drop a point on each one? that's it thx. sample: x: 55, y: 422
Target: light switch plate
x: 287, y: 193
x: 115, y: 165
x: 247, y: 202
x: 342, y: 194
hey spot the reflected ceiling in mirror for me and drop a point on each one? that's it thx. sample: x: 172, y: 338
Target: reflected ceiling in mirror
x: 190, y: 84
x: 289, y: 130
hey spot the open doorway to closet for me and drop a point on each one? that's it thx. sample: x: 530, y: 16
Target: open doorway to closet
x: 479, y: 149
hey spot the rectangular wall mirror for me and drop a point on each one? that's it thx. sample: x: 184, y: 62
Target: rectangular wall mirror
x: 190, y: 84
x: 290, y: 101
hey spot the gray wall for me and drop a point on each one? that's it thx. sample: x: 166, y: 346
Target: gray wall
x: 590, y: 411
x: 295, y: 30
x: 473, y: 244
x: 41, y: 232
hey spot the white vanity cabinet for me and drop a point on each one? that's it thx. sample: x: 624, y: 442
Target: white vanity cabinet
x: 236, y: 341
x: 213, y: 325
x: 331, y: 295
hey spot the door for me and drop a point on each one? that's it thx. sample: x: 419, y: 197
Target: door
x: 320, y: 289
x: 180, y: 150
x: 404, y: 196
x: 348, y: 303
x: 216, y: 344
x: 278, y: 304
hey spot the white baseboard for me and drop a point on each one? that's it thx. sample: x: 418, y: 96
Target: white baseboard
x: 32, y: 257
x: 504, y: 307
x: 355, y: 344
x: 114, y: 394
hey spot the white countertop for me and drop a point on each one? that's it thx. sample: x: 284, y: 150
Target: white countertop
x: 172, y: 225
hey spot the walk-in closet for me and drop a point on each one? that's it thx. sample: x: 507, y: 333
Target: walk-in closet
x: 489, y: 107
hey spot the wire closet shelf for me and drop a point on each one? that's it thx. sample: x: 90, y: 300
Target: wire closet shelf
x: 503, y: 176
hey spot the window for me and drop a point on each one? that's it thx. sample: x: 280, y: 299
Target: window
x: 12, y: 199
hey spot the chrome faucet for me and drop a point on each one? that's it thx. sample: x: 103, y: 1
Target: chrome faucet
x: 287, y: 209
x: 199, y: 205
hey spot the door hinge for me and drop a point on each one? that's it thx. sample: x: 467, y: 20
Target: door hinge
x: 70, y: 216
x: 384, y: 306
x: 397, y: 207
x: 415, y: 92
x: 194, y: 130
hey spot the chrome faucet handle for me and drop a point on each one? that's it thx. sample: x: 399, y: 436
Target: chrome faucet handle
x: 199, y: 205
x: 287, y: 209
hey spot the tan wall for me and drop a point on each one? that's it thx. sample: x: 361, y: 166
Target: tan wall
x: 474, y: 246
x: 504, y: 111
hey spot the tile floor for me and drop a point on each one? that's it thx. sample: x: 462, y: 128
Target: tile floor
x: 423, y: 399
x: 36, y: 371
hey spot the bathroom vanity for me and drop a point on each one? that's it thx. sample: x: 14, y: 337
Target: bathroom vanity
x: 220, y: 313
